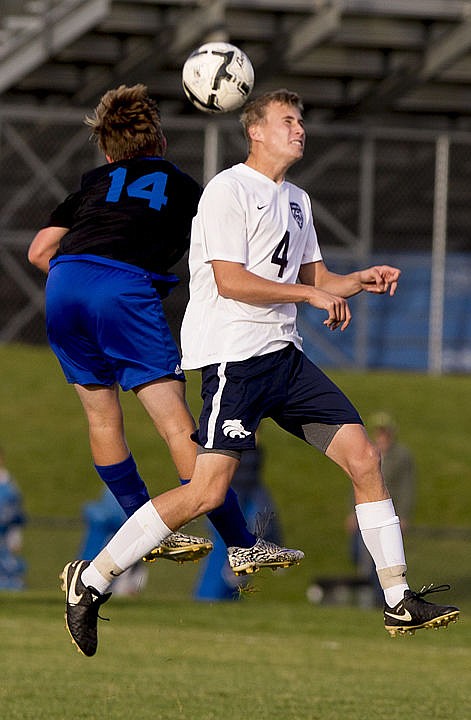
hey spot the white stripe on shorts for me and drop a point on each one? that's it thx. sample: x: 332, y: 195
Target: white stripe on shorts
x: 216, y: 405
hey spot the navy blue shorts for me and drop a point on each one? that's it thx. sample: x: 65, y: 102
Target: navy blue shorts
x: 106, y: 325
x: 285, y: 386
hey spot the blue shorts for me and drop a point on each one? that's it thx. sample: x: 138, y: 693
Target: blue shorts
x: 285, y: 386
x: 106, y: 325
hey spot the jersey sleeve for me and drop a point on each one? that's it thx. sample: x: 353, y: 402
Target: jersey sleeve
x: 222, y: 224
x: 63, y: 215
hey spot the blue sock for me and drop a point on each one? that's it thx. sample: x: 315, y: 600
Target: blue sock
x: 125, y: 483
x: 230, y: 522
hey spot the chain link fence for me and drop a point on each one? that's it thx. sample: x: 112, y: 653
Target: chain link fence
x: 378, y: 195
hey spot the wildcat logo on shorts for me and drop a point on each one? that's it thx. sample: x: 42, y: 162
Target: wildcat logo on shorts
x: 297, y: 213
x: 234, y: 429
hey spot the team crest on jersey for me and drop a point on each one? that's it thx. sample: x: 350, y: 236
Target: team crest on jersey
x: 297, y: 213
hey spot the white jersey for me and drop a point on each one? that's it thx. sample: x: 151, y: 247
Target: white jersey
x: 245, y: 217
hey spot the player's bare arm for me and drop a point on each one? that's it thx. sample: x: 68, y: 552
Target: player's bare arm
x: 44, y: 246
x: 234, y: 281
x: 376, y: 279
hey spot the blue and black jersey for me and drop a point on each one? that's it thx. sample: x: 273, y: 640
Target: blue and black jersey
x: 137, y: 211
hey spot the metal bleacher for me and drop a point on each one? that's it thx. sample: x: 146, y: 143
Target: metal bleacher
x: 349, y: 58
x: 386, y: 86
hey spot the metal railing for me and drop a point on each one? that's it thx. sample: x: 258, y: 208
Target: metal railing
x: 375, y: 192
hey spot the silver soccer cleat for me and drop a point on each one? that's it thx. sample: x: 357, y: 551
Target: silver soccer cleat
x: 180, y: 548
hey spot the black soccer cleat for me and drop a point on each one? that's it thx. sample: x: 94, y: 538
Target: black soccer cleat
x: 413, y: 613
x: 81, y: 607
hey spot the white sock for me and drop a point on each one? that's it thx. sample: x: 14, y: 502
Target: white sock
x: 140, y: 533
x: 381, y: 533
x: 395, y: 594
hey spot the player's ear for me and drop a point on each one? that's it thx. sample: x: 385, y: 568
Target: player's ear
x: 255, y: 132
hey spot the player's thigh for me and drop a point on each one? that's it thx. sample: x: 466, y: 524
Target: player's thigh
x: 164, y: 401
x: 101, y: 404
x: 314, y: 407
x: 135, y: 334
x: 236, y: 396
x: 74, y: 298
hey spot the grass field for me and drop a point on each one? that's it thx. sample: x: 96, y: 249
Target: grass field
x: 273, y: 655
x: 187, y: 661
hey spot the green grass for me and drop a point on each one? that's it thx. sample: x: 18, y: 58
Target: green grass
x: 44, y: 434
x: 273, y: 655
x: 267, y: 660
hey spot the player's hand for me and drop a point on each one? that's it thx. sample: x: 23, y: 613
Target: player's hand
x: 379, y: 279
x: 339, y: 314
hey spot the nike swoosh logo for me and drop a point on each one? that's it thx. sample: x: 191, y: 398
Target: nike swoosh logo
x: 73, y: 598
x: 260, y: 207
x: 406, y: 616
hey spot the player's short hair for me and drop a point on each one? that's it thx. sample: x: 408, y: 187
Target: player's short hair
x: 254, y: 111
x: 126, y: 123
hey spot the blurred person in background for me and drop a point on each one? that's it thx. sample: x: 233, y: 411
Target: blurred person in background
x: 12, y: 520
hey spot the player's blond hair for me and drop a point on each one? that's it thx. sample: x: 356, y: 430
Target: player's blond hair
x: 254, y: 111
x: 126, y: 123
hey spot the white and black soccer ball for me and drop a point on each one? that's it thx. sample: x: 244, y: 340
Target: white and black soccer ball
x: 218, y: 77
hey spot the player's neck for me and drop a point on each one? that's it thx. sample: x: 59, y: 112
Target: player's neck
x: 267, y: 167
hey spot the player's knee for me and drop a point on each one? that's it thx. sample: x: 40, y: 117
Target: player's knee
x: 207, y: 497
x: 213, y: 499
x: 366, y: 463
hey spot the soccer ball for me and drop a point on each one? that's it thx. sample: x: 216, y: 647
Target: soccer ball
x: 218, y: 77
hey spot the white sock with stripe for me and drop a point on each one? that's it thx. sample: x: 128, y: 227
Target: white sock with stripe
x: 381, y: 532
x: 140, y: 533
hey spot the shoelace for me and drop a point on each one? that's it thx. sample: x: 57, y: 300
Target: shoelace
x: 262, y: 521
x: 431, y: 589
x: 100, y: 600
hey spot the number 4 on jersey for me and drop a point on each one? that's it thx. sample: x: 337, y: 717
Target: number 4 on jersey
x: 280, y: 256
x: 149, y: 187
